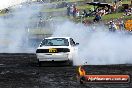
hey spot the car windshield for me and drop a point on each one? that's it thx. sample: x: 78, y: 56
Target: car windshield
x: 55, y: 42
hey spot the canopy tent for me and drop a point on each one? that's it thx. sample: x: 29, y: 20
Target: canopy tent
x: 99, y: 4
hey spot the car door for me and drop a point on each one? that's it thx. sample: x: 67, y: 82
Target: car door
x: 73, y: 47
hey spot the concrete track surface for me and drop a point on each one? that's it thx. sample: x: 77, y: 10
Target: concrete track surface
x: 22, y: 71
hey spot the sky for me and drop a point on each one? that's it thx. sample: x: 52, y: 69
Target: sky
x: 8, y: 3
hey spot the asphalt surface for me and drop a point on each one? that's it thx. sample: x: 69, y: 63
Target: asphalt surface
x: 22, y: 71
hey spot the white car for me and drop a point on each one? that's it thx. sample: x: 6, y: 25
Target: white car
x: 56, y: 49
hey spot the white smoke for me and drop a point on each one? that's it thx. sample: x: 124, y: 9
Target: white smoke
x: 14, y: 28
x: 97, y: 46
x: 8, y: 3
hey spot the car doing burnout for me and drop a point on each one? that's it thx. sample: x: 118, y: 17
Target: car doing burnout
x: 56, y: 49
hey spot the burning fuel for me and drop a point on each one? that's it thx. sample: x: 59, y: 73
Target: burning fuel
x: 81, y: 71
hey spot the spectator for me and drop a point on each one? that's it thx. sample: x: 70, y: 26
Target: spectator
x: 115, y: 2
x: 40, y: 24
x: 77, y: 12
x: 128, y: 12
x: 114, y: 7
x: 106, y: 10
x: 121, y: 25
x: 85, y: 13
x: 117, y: 24
x: 71, y: 9
x: 68, y: 10
x: 102, y: 12
x: 120, y: 3
x: 97, y: 18
x: 112, y: 26
x: 74, y: 11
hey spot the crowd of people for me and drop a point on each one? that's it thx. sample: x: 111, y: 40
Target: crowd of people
x: 117, y: 24
x: 113, y: 25
x: 128, y: 12
x: 72, y: 11
x: 105, y: 10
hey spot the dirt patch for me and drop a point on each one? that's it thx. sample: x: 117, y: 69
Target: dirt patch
x: 22, y: 71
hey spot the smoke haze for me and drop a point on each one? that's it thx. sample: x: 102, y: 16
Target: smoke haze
x: 7, y: 3
x: 14, y: 28
x: 97, y: 46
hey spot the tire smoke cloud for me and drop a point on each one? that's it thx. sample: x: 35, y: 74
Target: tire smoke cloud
x: 14, y: 28
x: 8, y: 3
x: 97, y: 46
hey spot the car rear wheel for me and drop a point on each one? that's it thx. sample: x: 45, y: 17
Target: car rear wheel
x: 71, y: 63
x: 39, y: 63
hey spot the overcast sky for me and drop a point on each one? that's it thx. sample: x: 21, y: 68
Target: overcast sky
x: 7, y: 3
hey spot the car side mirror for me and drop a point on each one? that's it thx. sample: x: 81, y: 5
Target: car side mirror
x: 77, y: 44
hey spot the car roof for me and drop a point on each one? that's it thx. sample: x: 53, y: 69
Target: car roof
x: 57, y: 37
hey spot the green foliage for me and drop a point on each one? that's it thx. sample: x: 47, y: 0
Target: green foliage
x: 63, y: 9
x: 110, y: 17
x: 120, y: 9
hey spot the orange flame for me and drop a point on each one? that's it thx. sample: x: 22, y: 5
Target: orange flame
x: 81, y: 71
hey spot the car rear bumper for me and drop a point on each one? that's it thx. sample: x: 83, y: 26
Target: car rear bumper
x: 52, y: 56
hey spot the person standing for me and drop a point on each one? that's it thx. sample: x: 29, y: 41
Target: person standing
x: 121, y: 25
x: 77, y: 12
x: 74, y: 11
x: 112, y: 26
x: 68, y: 10
x: 71, y: 9
x: 84, y: 13
x: 97, y: 18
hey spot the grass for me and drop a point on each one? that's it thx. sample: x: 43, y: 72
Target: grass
x: 2, y: 14
x: 64, y: 9
x: 115, y: 16
x: 79, y: 7
x: 85, y: 7
x: 56, y: 2
x: 40, y: 31
x: 112, y: 16
x: 107, y: 17
x: 54, y: 10
x: 126, y: 2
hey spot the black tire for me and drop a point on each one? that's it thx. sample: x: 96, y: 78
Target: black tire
x: 82, y: 80
x: 71, y: 63
x: 39, y: 63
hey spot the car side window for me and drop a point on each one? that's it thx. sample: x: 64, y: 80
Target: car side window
x: 72, y: 42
